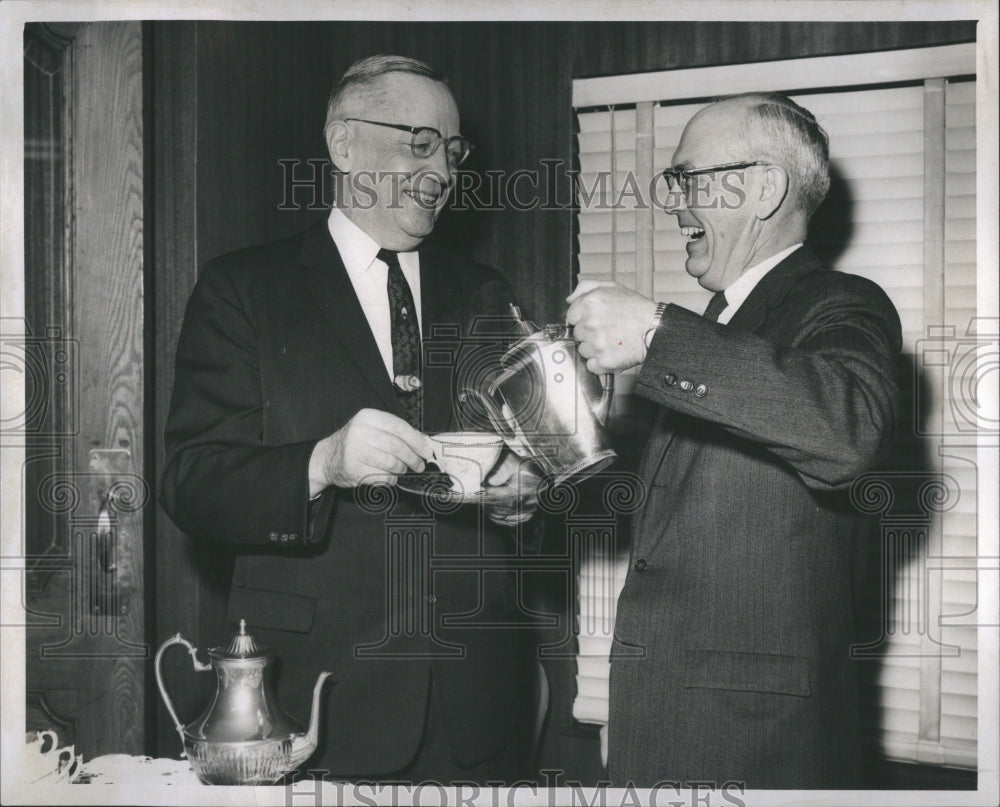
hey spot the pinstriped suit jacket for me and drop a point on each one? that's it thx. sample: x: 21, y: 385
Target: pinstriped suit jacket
x: 731, y: 658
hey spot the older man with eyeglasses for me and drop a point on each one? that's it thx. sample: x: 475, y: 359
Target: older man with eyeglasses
x: 732, y: 656
x: 302, y: 395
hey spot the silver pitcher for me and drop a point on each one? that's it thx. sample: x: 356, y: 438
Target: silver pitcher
x: 243, y: 737
x: 548, y: 406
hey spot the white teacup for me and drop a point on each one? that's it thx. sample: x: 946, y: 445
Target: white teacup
x: 467, y: 457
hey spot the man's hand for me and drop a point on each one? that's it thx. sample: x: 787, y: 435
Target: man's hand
x: 609, y: 321
x: 372, y: 448
x: 515, y: 473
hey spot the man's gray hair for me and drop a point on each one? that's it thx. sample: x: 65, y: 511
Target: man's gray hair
x: 778, y: 130
x: 360, y: 85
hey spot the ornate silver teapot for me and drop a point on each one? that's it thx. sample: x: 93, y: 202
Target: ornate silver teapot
x: 547, y: 405
x: 243, y: 737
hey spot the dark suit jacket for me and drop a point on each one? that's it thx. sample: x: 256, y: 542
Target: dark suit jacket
x: 731, y: 659
x: 275, y: 353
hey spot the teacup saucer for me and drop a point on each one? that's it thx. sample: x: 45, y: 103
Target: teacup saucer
x: 438, y: 486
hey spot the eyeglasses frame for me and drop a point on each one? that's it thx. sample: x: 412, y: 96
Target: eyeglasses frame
x: 413, y: 130
x: 682, y: 176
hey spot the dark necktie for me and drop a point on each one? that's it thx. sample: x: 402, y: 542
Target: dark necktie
x: 405, y: 338
x: 716, y: 306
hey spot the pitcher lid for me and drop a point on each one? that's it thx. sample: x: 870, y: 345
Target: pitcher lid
x: 241, y: 645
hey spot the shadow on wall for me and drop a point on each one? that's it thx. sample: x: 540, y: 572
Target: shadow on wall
x: 905, y: 496
x: 832, y: 226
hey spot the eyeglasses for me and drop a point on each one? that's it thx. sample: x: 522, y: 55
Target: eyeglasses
x: 679, y: 179
x: 425, y: 141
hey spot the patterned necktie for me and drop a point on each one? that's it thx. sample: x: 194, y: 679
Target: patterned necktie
x: 716, y: 306
x: 405, y: 338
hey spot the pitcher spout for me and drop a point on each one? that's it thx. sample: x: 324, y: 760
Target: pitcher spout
x: 503, y: 424
x: 303, y: 745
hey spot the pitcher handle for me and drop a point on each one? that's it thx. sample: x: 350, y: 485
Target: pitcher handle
x: 603, y: 408
x: 198, y: 666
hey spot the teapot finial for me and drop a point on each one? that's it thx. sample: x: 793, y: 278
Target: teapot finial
x: 241, y: 645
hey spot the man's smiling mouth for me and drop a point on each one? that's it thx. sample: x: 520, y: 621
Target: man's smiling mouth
x: 693, y: 233
x: 423, y: 198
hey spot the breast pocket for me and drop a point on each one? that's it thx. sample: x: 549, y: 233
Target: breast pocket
x: 747, y: 672
x: 275, y: 610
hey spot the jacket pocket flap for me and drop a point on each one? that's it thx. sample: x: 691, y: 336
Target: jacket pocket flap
x: 277, y: 610
x: 748, y: 672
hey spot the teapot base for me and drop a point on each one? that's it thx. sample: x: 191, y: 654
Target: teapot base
x: 261, y: 762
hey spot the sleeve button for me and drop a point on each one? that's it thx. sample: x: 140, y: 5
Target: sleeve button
x: 273, y: 536
x: 669, y: 379
x: 686, y: 385
x: 641, y: 565
x: 701, y: 390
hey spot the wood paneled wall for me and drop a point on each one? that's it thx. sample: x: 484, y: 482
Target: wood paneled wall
x: 231, y: 99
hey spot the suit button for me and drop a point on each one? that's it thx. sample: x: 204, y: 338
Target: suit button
x: 293, y: 536
x: 669, y: 379
x: 701, y: 390
x: 641, y: 565
x: 431, y: 599
x: 686, y: 385
x: 273, y: 536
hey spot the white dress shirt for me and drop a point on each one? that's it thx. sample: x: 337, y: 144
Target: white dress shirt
x: 737, y: 293
x: 369, y: 277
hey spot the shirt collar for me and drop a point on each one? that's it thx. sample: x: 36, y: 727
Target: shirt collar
x: 358, y: 249
x: 738, y: 292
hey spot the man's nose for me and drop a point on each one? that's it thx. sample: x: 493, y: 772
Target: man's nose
x: 675, y: 202
x: 438, y: 163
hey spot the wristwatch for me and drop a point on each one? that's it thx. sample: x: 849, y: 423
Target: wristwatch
x: 657, y: 321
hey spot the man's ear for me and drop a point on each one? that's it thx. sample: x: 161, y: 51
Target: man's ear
x: 773, y: 190
x: 340, y: 142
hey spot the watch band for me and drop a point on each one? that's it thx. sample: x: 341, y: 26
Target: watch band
x: 657, y: 321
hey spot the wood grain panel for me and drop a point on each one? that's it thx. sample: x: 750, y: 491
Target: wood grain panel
x: 108, y: 322
x: 85, y: 652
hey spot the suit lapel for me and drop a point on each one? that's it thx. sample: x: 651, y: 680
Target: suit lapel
x: 331, y: 289
x: 773, y: 289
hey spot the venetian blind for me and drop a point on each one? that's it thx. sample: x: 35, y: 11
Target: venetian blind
x: 902, y: 213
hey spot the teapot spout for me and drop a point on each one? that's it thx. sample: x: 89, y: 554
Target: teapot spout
x: 303, y: 745
x: 602, y: 408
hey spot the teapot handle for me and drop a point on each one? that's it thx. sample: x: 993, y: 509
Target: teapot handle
x: 199, y: 667
x: 603, y: 407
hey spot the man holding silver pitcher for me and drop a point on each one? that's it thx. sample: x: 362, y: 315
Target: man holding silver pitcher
x: 731, y: 659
